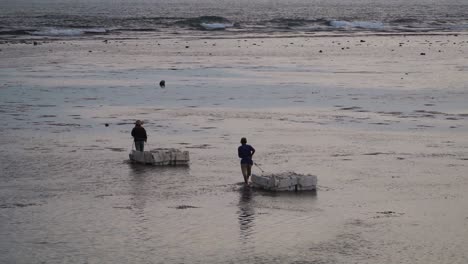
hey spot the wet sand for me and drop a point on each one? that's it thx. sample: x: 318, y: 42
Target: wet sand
x: 381, y: 120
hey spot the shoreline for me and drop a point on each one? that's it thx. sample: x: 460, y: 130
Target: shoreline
x: 15, y: 39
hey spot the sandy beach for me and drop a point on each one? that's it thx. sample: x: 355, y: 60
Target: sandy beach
x: 381, y: 119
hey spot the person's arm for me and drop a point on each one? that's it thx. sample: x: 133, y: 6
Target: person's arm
x: 253, y: 151
x: 144, y: 133
x: 239, y: 152
x: 133, y: 132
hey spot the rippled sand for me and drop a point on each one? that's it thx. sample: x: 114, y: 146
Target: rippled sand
x: 382, y: 126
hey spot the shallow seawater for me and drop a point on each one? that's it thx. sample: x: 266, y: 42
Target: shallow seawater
x: 88, y: 204
x: 390, y: 154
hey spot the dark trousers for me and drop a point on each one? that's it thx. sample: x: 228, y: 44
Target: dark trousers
x: 140, y: 145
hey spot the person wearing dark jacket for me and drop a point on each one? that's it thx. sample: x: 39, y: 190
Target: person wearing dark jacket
x: 246, y: 152
x: 139, y: 135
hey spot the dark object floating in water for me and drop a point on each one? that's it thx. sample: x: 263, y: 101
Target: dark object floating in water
x: 350, y: 108
x: 185, y: 207
x: 202, y: 146
x: 376, y: 153
x: 16, y: 205
x: 117, y: 149
x: 106, y: 125
x: 122, y: 207
x: 387, y: 214
x: 162, y: 84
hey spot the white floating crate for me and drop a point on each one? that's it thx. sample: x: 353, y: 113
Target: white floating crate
x: 289, y: 181
x: 161, y: 157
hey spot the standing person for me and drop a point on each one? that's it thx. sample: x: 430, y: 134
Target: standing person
x: 246, y: 152
x: 139, y: 135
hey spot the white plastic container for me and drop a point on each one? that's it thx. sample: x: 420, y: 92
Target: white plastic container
x: 288, y: 181
x: 161, y: 157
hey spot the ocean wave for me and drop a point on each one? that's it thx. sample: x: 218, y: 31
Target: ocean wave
x: 87, y: 26
x: 68, y: 31
x: 357, y: 24
x: 14, y: 32
x: 216, y: 26
x: 459, y: 27
x: 405, y: 21
x: 206, y: 22
x: 297, y: 22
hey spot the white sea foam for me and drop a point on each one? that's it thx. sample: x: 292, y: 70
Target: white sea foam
x: 460, y: 27
x: 215, y: 26
x: 67, y: 31
x: 357, y: 24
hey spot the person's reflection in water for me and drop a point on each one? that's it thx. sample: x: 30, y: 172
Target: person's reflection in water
x: 246, y: 216
x: 141, y: 182
x: 139, y: 190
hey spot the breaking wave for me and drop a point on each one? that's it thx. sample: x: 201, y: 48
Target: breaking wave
x: 357, y: 24
x: 75, y: 26
x: 68, y: 31
x: 206, y: 23
x: 215, y: 26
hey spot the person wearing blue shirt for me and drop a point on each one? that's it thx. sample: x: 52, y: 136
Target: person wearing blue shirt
x: 246, y: 152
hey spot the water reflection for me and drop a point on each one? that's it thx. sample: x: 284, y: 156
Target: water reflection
x: 246, y: 214
x: 138, y: 187
x: 299, y: 196
x: 145, y: 181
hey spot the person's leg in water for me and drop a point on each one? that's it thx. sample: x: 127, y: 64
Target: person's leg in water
x: 245, y: 172
x: 139, y: 145
x: 249, y: 171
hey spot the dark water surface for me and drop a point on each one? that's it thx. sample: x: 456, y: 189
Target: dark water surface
x: 48, y: 18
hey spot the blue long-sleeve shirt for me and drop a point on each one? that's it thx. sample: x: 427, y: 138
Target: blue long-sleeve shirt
x: 245, y: 152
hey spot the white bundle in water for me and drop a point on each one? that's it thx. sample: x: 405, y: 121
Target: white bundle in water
x: 287, y: 181
x: 161, y: 157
